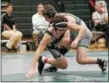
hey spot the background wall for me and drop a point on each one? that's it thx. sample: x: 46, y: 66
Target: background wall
x: 24, y: 9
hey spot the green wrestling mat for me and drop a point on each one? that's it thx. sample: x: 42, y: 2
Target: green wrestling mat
x: 15, y: 65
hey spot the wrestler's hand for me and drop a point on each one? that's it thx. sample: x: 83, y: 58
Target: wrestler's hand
x: 74, y: 43
x: 30, y: 73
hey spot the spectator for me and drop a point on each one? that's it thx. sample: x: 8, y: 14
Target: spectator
x: 100, y: 17
x: 39, y: 23
x: 103, y: 2
x: 91, y: 4
x: 9, y: 29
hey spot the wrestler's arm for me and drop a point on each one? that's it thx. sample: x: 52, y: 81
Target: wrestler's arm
x: 81, y: 30
x: 45, y: 41
x: 43, y: 44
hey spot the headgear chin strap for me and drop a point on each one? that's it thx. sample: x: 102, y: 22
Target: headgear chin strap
x: 60, y: 25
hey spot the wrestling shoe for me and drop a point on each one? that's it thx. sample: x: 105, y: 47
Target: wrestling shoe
x: 10, y: 50
x: 51, y: 69
x: 103, y: 65
x: 7, y: 49
x: 40, y: 65
x: 14, y: 49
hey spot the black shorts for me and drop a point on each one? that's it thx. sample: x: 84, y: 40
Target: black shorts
x: 57, y: 51
x: 63, y: 50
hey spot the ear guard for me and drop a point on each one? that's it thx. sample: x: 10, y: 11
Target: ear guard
x: 60, y: 25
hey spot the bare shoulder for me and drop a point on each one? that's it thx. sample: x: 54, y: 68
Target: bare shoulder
x: 48, y: 32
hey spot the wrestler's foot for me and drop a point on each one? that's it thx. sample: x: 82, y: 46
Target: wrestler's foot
x: 103, y: 65
x: 40, y: 65
x: 51, y: 69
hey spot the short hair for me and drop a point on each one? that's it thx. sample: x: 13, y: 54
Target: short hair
x: 8, y: 5
x: 48, y: 7
x: 49, y: 11
x: 60, y: 18
x: 39, y: 4
x: 60, y: 22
